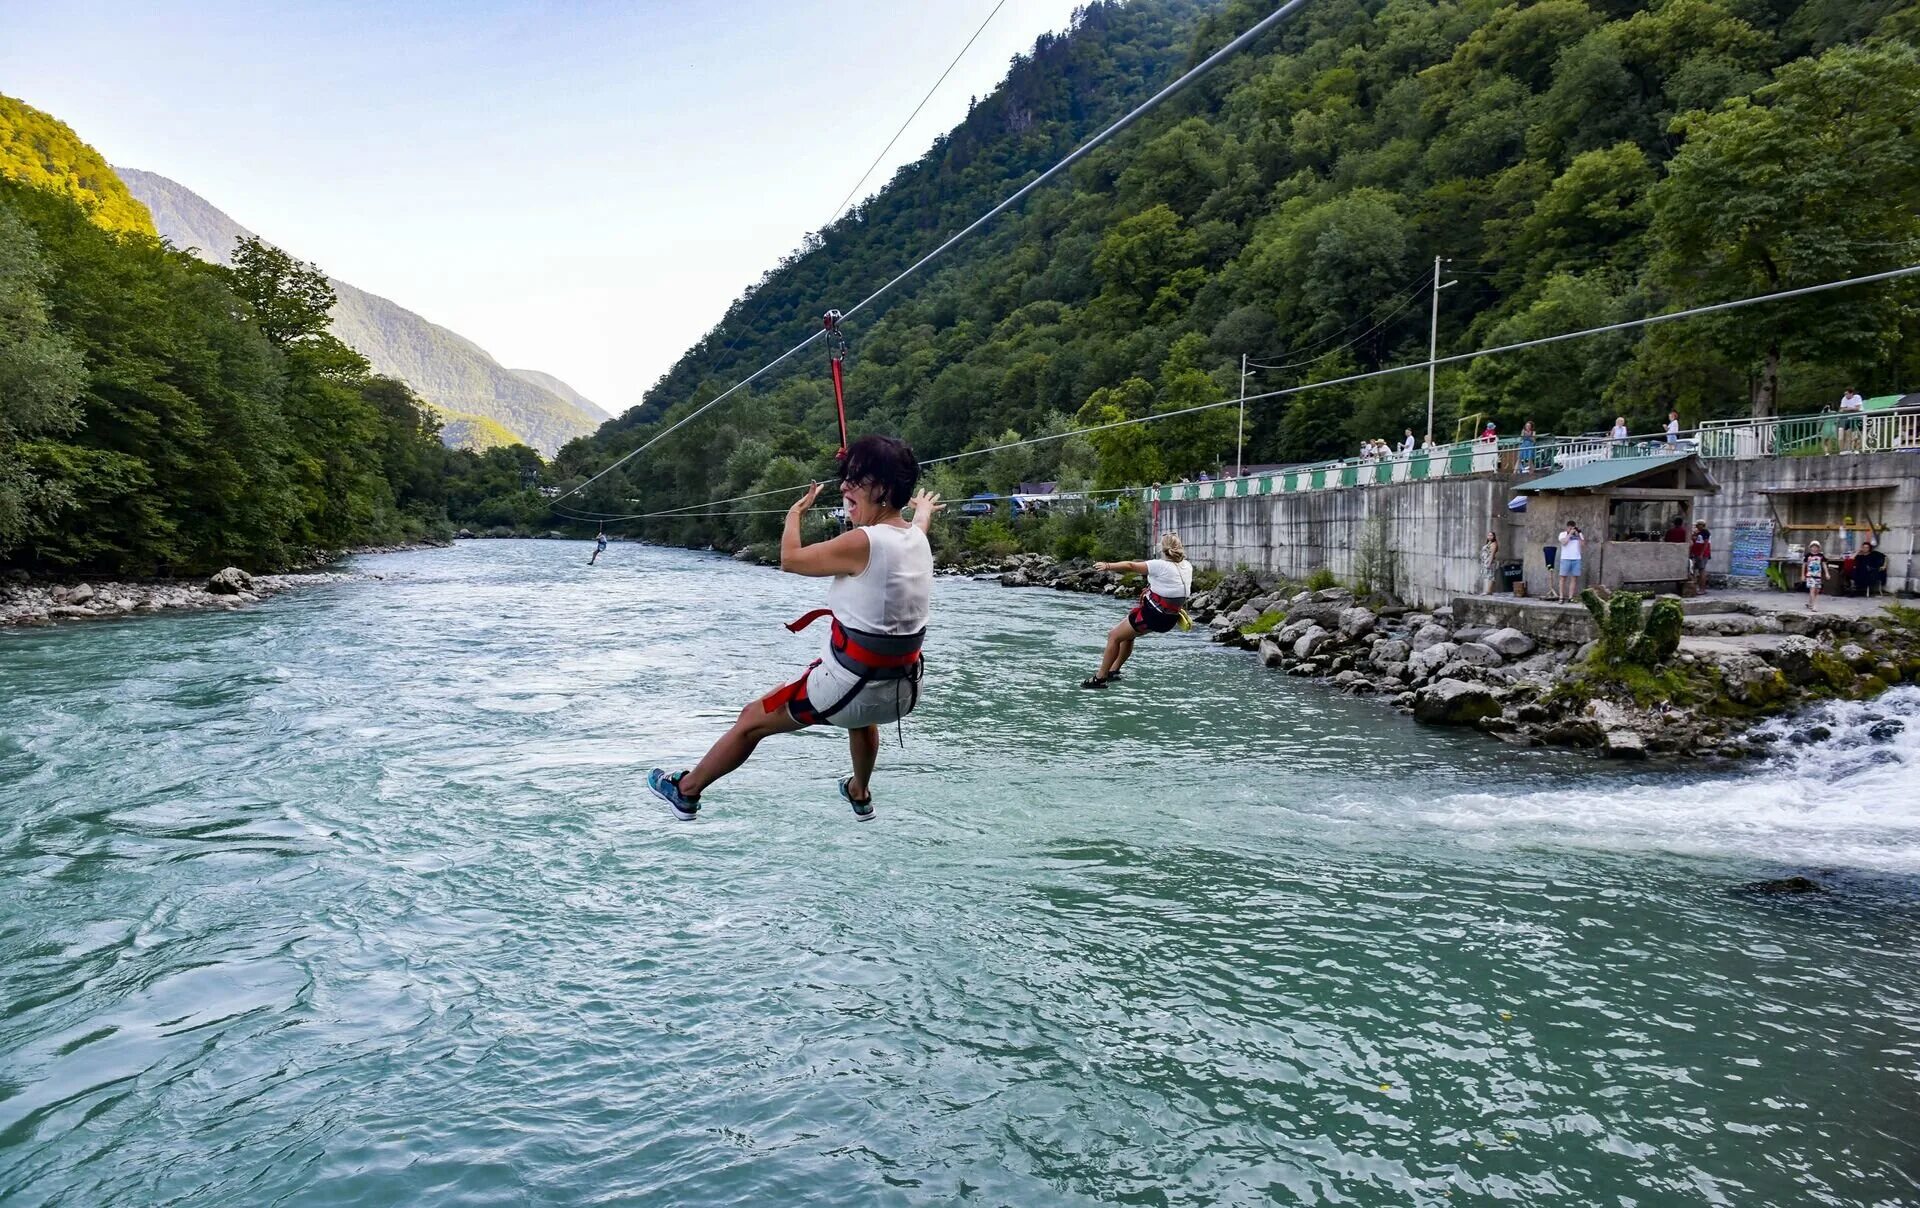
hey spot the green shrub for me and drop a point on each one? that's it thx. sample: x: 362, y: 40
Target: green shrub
x: 1777, y: 575
x: 1624, y: 639
x: 991, y: 538
x: 1321, y: 579
x: 1264, y: 623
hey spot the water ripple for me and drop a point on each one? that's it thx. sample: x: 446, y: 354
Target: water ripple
x: 356, y: 898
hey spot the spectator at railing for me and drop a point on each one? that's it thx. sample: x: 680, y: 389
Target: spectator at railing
x: 1406, y: 446
x: 1852, y: 408
x: 1526, y: 447
x: 1429, y: 446
x: 1673, y: 427
x: 1869, y: 569
x: 1619, y: 432
x: 1488, y: 433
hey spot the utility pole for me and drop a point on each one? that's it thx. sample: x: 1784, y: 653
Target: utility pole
x: 1433, y: 339
x: 1240, y: 442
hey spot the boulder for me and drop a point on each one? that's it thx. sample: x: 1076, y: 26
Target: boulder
x: 1795, y: 659
x: 1394, y: 671
x: 1444, y: 614
x: 1882, y: 731
x: 1511, y: 643
x: 82, y: 594
x: 1475, y: 654
x: 1325, y: 613
x: 1292, y: 632
x: 1429, y: 635
x: 464, y: 535
x: 1623, y: 744
x: 1357, y: 622
x: 1856, y: 657
x: 1452, y: 702
x: 743, y: 554
x: 1424, y: 663
x: 1748, y: 679
x: 1471, y: 633
x: 1333, y: 595
x: 230, y: 582
x: 1390, y: 651
x: 1246, y: 614
x: 1271, y: 653
x: 1310, y: 642
x: 1266, y: 602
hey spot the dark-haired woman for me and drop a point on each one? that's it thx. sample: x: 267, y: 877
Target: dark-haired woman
x: 869, y: 673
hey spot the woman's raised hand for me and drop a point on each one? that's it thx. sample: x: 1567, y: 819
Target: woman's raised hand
x: 925, y: 503
x: 805, y: 501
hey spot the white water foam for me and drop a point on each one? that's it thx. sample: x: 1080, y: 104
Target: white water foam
x: 1847, y: 799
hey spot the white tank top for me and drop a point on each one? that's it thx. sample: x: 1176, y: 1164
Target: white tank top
x: 895, y: 592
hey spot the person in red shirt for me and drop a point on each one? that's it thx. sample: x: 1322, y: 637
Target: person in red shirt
x: 1698, y: 551
x: 1677, y: 531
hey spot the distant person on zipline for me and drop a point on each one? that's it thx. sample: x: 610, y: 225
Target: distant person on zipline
x: 1169, y: 583
x: 599, y: 547
x: 869, y: 672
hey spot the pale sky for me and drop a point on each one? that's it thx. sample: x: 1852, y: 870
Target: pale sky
x: 580, y: 188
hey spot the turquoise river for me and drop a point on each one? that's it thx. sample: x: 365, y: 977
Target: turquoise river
x: 357, y: 898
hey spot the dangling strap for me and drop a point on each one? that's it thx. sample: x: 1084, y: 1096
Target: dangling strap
x: 836, y: 353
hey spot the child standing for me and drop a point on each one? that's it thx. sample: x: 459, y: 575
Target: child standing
x: 1814, y: 571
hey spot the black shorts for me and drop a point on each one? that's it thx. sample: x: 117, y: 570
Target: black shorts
x: 1145, y: 618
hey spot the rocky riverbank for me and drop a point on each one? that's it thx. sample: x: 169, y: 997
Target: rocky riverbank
x: 25, y: 603
x: 1629, y: 693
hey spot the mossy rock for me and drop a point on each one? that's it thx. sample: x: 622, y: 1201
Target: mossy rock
x: 1834, y: 670
x: 1869, y: 687
x: 1266, y: 622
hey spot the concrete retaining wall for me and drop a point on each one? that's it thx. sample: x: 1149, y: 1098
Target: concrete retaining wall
x: 1434, y: 529
x: 1741, y: 501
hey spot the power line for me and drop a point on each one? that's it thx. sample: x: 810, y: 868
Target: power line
x: 1419, y: 283
x: 1349, y: 379
x: 916, y: 113
x: 1195, y: 72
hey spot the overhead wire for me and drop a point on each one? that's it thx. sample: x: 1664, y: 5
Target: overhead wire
x: 1349, y: 379
x: 1405, y: 291
x: 1193, y: 73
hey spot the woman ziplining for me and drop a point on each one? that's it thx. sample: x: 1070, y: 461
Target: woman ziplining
x: 1160, y: 608
x: 869, y: 673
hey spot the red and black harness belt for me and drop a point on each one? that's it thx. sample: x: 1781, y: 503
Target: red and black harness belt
x: 1155, y: 613
x: 870, y: 656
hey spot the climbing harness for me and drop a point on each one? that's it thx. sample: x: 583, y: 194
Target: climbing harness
x: 836, y: 354
x: 870, y: 657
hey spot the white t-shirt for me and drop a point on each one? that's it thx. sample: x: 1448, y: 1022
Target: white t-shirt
x: 1619, y: 432
x: 1571, y: 545
x: 1673, y: 429
x: 1170, y: 580
x: 1851, y: 401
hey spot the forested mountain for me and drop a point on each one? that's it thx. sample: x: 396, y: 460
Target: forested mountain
x: 481, y: 403
x: 41, y: 152
x: 1577, y: 161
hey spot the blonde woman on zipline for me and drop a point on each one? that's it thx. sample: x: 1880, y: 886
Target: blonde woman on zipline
x: 1169, y: 583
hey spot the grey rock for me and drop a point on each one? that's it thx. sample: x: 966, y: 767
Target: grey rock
x: 1623, y: 744
x: 1471, y: 633
x: 1310, y: 642
x: 1444, y: 614
x: 1794, y: 658
x: 1453, y: 702
x: 1390, y: 651
x: 1394, y: 671
x: 1424, y: 663
x: 1475, y: 654
x: 1271, y: 653
x: 1511, y: 643
x: 230, y: 582
x: 1856, y: 657
x: 1246, y: 614
x: 1333, y: 595
x: 1429, y: 635
x: 1357, y: 622
x: 1881, y: 731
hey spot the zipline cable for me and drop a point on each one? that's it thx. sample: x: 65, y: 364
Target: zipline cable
x: 1153, y: 102
x: 1454, y: 358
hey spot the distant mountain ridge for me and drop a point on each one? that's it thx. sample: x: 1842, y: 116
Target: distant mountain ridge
x: 482, y: 402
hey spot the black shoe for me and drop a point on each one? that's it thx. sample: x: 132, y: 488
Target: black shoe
x: 1114, y: 675
x: 862, y: 810
x: 1093, y: 681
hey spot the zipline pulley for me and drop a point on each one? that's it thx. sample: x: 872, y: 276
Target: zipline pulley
x: 836, y: 356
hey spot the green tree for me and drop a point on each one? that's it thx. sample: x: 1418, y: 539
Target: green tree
x: 40, y: 378
x: 1817, y: 177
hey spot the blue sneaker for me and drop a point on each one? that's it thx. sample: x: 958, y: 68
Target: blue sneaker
x: 667, y: 788
x: 862, y: 810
